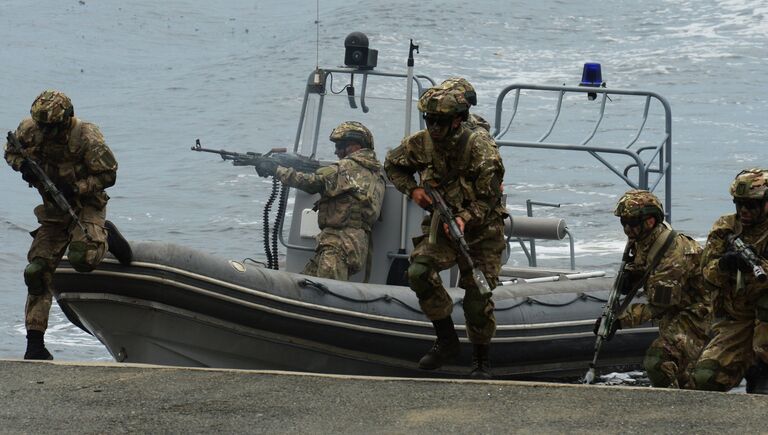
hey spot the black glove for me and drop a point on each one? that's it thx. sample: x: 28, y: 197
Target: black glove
x: 627, y: 283
x: 614, y: 327
x: 730, y: 261
x: 266, y: 168
x: 68, y: 190
x: 26, y: 172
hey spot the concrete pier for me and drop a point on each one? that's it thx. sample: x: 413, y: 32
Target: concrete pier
x: 66, y: 397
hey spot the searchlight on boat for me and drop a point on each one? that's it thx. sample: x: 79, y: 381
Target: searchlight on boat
x: 357, y: 54
x: 592, y: 76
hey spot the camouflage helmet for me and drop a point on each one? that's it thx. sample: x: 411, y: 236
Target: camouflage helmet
x: 443, y: 101
x: 52, y: 107
x: 750, y: 184
x: 353, y: 130
x: 462, y: 85
x: 639, y: 203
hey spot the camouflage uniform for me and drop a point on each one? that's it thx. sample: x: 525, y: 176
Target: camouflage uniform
x: 467, y: 169
x: 351, y: 193
x: 677, y: 299
x: 78, y: 161
x: 740, y: 335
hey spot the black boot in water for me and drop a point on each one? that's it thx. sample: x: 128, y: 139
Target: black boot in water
x: 481, y: 365
x: 36, y: 347
x: 446, y: 347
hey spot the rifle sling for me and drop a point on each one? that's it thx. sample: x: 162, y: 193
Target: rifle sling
x: 659, y: 252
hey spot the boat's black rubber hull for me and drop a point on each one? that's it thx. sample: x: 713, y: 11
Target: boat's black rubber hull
x: 147, y: 313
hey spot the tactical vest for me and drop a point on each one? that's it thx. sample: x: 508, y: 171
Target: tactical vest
x: 450, y: 173
x: 66, y: 164
x: 355, y: 201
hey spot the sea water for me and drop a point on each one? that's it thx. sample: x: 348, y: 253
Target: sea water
x: 157, y: 75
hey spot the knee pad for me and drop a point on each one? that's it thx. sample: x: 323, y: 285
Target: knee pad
x: 418, y: 276
x: 762, y: 309
x: 474, y: 310
x: 654, y: 357
x: 704, y: 376
x: 34, y: 276
x: 78, y: 257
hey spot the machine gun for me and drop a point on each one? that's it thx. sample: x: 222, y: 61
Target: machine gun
x: 748, y: 256
x: 441, y: 208
x: 49, y: 186
x: 280, y: 156
x: 611, y: 311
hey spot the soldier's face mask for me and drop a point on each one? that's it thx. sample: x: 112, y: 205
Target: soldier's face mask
x: 631, y: 222
x: 750, y: 211
x: 634, y: 228
x: 53, y: 130
x: 438, y: 126
x: 342, y: 148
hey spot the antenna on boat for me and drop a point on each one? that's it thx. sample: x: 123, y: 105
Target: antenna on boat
x: 317, y: 35
x: 399, y: 266
x: 409, y: 88
x: 318, y: 78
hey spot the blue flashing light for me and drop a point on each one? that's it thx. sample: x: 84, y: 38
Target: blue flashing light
x: 591, y: 75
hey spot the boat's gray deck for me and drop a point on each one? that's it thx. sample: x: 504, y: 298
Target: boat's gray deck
x: 54, y: 397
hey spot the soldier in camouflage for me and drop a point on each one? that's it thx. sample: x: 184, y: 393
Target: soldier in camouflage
x: 740, y: 334
x: 76, y: 158
x: 666, y: 264
x: 462, y: 85
x: 351, y: 193
x: 462, y: 162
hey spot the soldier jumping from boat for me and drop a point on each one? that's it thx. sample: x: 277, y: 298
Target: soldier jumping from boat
x: 351, y: 194
x: 461, y: 161
x: 69, y: 163
x: 665, y: 264
x: 734, y: 264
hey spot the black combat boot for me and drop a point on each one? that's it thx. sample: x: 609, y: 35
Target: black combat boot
x: 446, y: 347
x: 36, y: 346
x: 757, y: 379
x: 481, y: 365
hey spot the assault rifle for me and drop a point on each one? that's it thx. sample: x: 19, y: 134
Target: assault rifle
x: 611, y: 312
x: 48, y: 186
x: 441, y: 208
x: 279, y: 156
x: 748, y: 256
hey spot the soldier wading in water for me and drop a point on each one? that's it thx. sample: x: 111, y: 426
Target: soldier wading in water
x: 73, y: 155
x: 461, y: 161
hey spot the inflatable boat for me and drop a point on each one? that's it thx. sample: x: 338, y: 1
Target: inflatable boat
x: 179, y: 306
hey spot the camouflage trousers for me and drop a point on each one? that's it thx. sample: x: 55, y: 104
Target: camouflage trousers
x: 671, y: 358
x: 734, y: 348
x: 486, y: 245
x: 55, y: 234
x: 340, y: 253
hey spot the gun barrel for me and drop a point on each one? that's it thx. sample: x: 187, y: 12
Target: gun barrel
x: 759, y: 273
